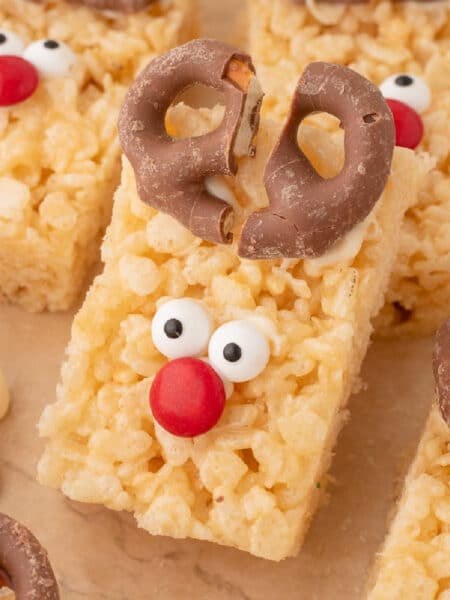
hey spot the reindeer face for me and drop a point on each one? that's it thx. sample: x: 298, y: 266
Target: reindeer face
x: 188, y: 394
x: 22, y: 67
x: 407, y: 96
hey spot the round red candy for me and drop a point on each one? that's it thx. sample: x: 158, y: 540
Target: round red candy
x: 18, y: 80
x: 408, y: 124
x: 187, y: 397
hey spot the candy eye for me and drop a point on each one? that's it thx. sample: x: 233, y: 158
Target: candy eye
x: 409, y: 89
x: 238, y: 351
x: 10, y: 43
x: 181, y: 328
x: 51, y: 58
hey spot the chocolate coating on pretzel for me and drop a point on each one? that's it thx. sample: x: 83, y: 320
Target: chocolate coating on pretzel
x: 125, y: 6
x: 24, y: 563
x: 441, y: 369
x: 308, y: 214
x: 170, y: 172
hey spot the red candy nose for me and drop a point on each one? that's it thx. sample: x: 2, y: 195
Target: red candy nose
x: 408, y: 124
x: 18, y: 80
x: 187, y: 397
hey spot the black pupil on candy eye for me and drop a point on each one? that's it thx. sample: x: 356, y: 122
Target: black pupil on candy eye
x: 3, y: 38
x: 51, y: 44
x: 173, y: 328
x: 232, y: 352
x: 404, y: 80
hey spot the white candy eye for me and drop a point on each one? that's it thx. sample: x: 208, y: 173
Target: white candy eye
x: 238, y: 351
x: 10, y: 43
x: 181, y: 328
x: 51, y: 58
x: 409, y: 89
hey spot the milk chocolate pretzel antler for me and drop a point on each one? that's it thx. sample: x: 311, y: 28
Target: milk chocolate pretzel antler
x: 24, y: 563
x: 441, y: 369
x: 125, y: 6
x: 170, y: 173
x: 308, y: 214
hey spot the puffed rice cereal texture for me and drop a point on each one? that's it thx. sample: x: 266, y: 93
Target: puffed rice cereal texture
x: 59, y: 153
x: 254, y: 480
x: 377, y: 39
x: 415, y: 561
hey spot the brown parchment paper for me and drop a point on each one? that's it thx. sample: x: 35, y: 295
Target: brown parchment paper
x: 98, y: 554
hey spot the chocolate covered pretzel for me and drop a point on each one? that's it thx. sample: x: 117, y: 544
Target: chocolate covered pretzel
x: 125, y: 6
x: 24, y: 563
x: 308, y: 214
x: 170, y: 173
x: 441, y: 369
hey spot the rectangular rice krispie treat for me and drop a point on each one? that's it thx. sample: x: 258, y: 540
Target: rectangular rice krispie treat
x: 290, y: 333
x: 59, y: 154
x: 415, y: 560
x: 378, y: 39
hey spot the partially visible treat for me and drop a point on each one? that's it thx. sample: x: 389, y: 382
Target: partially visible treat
x: 24, y: 565
x: 204, y: 391
x: 415, y: 560
x: 4, y: 395
x: 383, y: 40
x: 113, y: 44
x: 64, y: 69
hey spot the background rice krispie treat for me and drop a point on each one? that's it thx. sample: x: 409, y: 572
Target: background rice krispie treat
x: 377, y: 39
x: 415, y: 561
x: 285, y: 335
x: 59, y: 155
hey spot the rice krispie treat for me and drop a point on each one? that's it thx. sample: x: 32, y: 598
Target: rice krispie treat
x: 211, y: 361
x: 379, y: 39
x: 415, y: 561
x: 24, y: 565
x: 62, y: 70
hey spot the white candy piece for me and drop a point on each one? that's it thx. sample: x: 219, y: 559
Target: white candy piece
x: 342, y: 251
x: 181, y: 328
x: 50, y: 57
x: 409, y: 89
x: 4, y: 396
x: 218, y: 187
x: 11, y: 44
x: 238, y: 351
